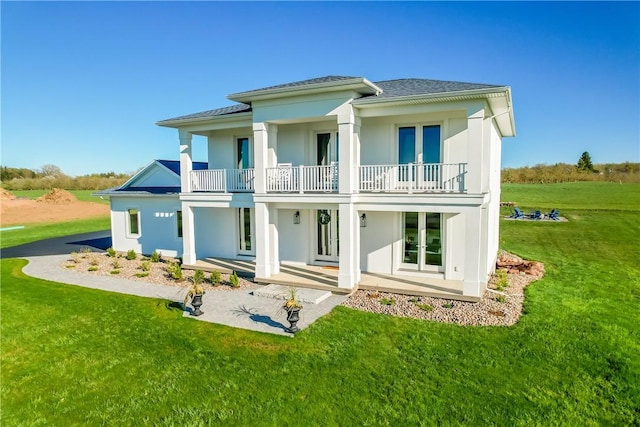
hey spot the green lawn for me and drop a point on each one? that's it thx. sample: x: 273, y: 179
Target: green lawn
x: 82, y: 195
x: 74, y: 356
x: 34, y: 232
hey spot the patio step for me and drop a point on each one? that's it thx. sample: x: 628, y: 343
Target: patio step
x: 307, y: 296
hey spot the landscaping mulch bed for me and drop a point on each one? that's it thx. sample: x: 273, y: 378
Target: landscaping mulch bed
x: 132, y: 270
x: 494, y: 309
x: 501, y: 308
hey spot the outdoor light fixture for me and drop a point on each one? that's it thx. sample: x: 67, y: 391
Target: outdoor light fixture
x: 363, y: 220
x: 296, y: 217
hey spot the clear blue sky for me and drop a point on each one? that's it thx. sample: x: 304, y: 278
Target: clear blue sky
x: 84, y: 83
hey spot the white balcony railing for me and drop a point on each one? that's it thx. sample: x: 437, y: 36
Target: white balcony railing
x: 223, y: 180
x: 302, y: 179
x: 413, y: 178
x: 407, y: 178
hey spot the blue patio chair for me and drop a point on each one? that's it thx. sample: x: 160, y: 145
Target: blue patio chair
x: 554, y: 215
x: 535, y: 215
x: 517, y: 214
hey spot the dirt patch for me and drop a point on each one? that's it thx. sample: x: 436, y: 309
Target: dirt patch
x: 6, y: 194
x: 513, y: 264
x: 57, y: 197
x: 21, y: 211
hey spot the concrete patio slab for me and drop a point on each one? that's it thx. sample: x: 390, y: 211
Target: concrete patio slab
x: 281, y: 292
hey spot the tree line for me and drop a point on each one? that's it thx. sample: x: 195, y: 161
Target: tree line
x: 51, y: 176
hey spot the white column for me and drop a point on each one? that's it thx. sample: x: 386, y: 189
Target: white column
x: 347, y: 276
x: 274, y: 248
x: 475, y: 151
x: 346, y: 161
x: 260, y: 156
x: 472, y: 282
x: 188, y: 236
x: 272, y: 146
x: 186, y: 163
x: 355, y: 170
x: 263, y: 264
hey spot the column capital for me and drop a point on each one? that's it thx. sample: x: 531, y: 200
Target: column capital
x: 185, y: 136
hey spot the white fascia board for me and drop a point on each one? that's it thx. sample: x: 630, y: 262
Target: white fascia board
x: 423, y: 202
x: 332, y: 86
x: 462, y: 95
x: 136, y: 195
x: 139, y: 174
x: 201, y: 122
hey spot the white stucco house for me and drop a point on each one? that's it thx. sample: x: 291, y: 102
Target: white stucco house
x: 392, y: 185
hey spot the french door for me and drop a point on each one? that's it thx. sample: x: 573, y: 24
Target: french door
x: 327, y: 243
x: 422, y: 240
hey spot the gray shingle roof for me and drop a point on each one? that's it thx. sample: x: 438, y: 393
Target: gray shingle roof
x: 408, y: 87
x: 391, y: 89
x: 232, y: 109
x: 325, y: 79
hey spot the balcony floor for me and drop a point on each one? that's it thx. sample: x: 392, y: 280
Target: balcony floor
x: 326, y: 278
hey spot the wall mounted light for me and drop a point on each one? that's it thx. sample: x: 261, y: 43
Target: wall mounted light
x: 296, y: 217
x: 363, y: 220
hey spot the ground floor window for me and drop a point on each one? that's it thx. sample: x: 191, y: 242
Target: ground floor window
x: 179, y: 222
x: 245, y: 231
x: 134, y: 222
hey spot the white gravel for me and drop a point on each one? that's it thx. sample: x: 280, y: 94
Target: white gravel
x: 487, y: 312
x: 81, y: 262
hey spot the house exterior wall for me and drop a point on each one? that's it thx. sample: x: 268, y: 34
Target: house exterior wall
x: 282, y: 126
x: 158, y: 225
x: 216, y: 234
x: 377, y: 241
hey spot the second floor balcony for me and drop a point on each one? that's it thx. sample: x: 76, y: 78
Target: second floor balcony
x: 285, y: 178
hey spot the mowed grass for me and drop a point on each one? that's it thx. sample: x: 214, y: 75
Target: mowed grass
x: 35, y: 232
x: 82, y: 195
x: 74, y: 356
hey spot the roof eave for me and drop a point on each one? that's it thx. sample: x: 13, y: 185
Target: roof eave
x: 431, y: 97
x: 176, y: 123
x: 357, y: 84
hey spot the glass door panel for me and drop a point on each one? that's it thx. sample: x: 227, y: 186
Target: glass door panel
x: 327, y: 233
x: 245, y: 231
x: 433, y: 252
x: 422, y: 241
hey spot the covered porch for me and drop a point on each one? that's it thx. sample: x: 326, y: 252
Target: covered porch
x: 325, y: 277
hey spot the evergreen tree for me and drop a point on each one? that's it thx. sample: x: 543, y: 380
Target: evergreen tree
x: 584, y: 163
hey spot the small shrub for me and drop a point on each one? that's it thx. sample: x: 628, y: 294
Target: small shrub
x: 448, y: 305
x: 234, y: 281
x: 155, y: 256
x: 198, y: 277
x: 93, y: 268
x: 70, y: 266
x: 131, y: 255
x: 94, y: 261
x: 503, y: 280
x: 387, y: 301
x: 111, y: 252
x: 116, y: 271
x: 75, y: 257
x: 143, y: 274
x: 85, y: 251
x: 501, y: 298
x: 116, y: 263
x: 175, y: 271
x: 145, y: 266
x: 414, y: 300
x: 424, y: 307
x: 215, y: 278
